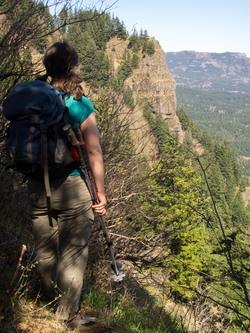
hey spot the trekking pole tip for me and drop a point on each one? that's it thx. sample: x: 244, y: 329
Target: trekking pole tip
x: 116, y: 274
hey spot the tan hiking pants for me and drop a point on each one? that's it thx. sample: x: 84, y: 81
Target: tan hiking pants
x: 62, y: 249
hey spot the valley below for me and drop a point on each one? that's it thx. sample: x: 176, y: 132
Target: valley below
x: 214, y: 90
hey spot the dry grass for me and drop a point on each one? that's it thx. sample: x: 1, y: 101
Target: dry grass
x: 29, y: 317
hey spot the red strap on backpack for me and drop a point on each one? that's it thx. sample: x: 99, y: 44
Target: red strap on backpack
x: 74, y: 154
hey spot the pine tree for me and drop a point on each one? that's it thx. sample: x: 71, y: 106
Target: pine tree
x: 125, y: 68
x: 79, y: 40
x: 62, y: 20
x: 135, y: 61
x: 133, y: 40
x: 128, y: 97
x: 184, y: 120
x: 150, y: 48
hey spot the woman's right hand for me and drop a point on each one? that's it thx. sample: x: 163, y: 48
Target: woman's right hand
x: 99, y: 208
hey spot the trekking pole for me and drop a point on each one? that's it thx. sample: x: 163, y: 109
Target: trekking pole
x: 78, y: 143
x: 116, y: 274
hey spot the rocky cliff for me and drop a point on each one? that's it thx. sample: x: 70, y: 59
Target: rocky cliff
x: 151, y: 83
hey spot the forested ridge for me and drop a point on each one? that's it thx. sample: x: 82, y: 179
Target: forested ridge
x: 179, y: 224
x: 223, y: 114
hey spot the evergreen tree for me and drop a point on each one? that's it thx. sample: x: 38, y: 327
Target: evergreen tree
x: 184, y: 120
x: 145, y: 48
x: 103, y: 71
x: 79, y: 40
x: 62, y: 20
x: 133, y: 39
x: 125, y: 68
x: 207, y: 140
x: 135, y: 61
x: 89, y: 61
x: 158, y: 127
x: 144, y: 35
x: 128, y: 97
x: 109, y: 27
x: 100, y: 32
x: 172, y: 200
x: 150, y: 48
x: 227, y: 219
x: 240, y: 216
x: 119, y: 28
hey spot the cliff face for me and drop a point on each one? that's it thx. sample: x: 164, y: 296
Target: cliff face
x: 151, y: 82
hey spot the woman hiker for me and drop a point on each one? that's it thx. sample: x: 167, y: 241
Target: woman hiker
x: 62, y: 250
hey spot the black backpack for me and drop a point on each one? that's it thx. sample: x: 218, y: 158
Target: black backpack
x: 36, y: 141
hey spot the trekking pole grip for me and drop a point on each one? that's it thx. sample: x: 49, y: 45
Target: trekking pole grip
x: 77, y: 130
x: 67, y: 128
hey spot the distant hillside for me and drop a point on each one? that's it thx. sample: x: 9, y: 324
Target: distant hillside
x: 210, y: 71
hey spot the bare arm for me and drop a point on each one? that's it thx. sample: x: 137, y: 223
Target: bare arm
x: 90, y: 137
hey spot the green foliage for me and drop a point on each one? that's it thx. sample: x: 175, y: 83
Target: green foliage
x: 119, y: 28
x: 188, y: 124
x: 173, y: 202
x: 175, y: 199
x: 240, y: 216
x: 90, y: 39
x: 227, y: 220
x: 135, y: 61
x: 186, y: 267
x: 62, y: 19
x: 144, y: 35
x: 128, y: 97
x: 150, y: 48
x: 158, y: 127
x: 223, y: 175
x: 124, y: 69
x: 136, y: 42
x: 95, y: 66
x: 133, y: 40
x: 128, y: 314
x: 185, y: 122
x: 79, y: 39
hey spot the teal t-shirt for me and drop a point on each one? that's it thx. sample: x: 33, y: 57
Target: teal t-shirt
x: 78, y: 112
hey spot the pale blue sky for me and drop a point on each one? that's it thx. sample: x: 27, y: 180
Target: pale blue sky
x: 199, y: 25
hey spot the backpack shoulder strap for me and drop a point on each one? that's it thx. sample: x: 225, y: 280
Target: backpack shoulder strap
x: 65, y: 110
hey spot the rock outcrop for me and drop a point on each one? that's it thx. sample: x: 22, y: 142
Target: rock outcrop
x: 151, y: 83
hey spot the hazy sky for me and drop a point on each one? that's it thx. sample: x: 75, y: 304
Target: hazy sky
x: 199, y: 25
